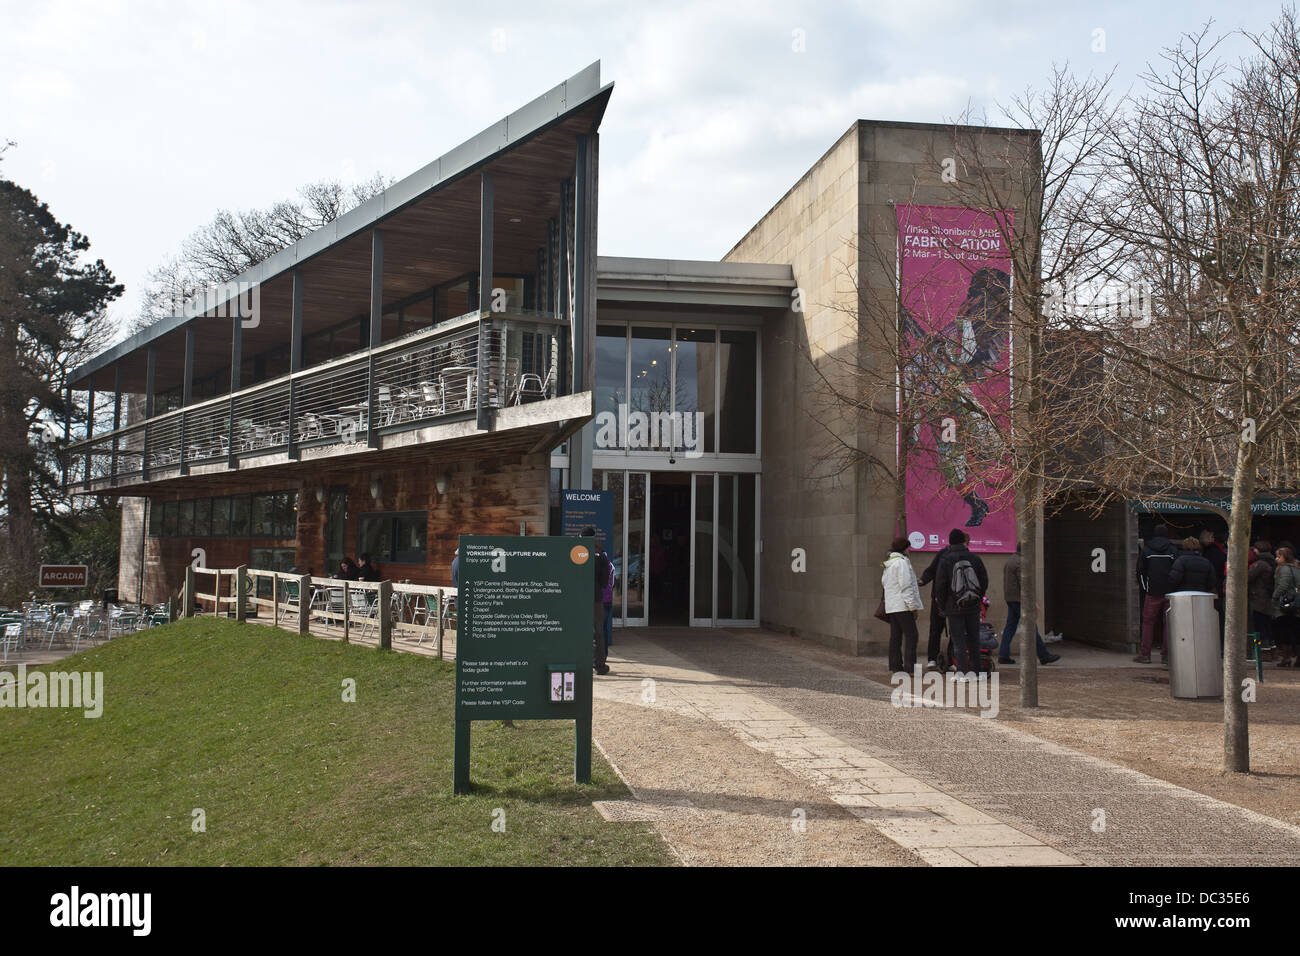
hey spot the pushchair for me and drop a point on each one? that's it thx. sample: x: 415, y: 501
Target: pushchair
x: 988, y: 646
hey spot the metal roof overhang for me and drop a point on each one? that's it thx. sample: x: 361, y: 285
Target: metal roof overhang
x: 577, y: 105
x: 693, y: 282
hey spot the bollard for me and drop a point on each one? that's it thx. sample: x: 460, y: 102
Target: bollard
x: 241, y: 592
x: 386, y: 614
x: 439, y: 623
x: 304, y: 605
x: 188, y: 609
x: 347, y: 611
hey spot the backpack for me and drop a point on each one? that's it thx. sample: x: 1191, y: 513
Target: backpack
x: 965, y: 586
x: 1289, y: 603
x: 602, y: 567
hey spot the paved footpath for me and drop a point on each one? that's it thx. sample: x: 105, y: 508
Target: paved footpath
x: 946, y: 786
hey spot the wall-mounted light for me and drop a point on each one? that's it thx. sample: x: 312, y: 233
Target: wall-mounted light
x: 320, y: 495
x: 442, y: 482
x: 376, y: 489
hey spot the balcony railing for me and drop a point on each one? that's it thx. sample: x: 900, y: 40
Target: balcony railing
x: 489, y: 360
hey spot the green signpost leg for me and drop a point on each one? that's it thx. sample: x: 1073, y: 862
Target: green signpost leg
x: 460, y: 759
x: 582, y: 748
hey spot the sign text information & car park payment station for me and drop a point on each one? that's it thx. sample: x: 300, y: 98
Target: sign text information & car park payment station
x: 524, y: 651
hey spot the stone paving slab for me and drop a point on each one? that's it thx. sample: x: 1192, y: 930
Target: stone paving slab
x: 915, y: 816
x: 955, y: 788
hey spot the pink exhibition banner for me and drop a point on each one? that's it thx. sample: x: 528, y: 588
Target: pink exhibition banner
x: 954, y: 275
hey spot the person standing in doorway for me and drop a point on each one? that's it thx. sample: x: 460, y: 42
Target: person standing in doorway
x: 902, y: 604
x: 600, y: 560
x: 960, y: 581
x: 1155, y: 560
x: 1011, y: 594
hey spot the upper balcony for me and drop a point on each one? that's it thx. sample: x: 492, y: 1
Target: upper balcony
x: 479, y: 372
x: 455, y: 307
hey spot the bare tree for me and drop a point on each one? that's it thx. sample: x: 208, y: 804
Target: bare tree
x: 235, y: 241
x: 1197, y: 393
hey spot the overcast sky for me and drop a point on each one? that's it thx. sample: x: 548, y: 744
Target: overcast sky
x: 137, y: 121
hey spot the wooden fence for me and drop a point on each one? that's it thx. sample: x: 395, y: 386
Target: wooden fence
x: 355, y: 611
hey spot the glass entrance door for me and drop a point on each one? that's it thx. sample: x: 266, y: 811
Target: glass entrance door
x: 685, y: 547
x: 703, y: 556
x: 724, y: 549
x: 628, y: 550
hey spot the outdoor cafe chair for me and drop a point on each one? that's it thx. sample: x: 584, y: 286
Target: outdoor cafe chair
x: 61, y: 628
x: 365, y: 606
x: 88, y: 630
x: 432, y: 403
x: 533, y: 386
x: 309, y: 427
x: 389, y: 409
x: 12, y: 639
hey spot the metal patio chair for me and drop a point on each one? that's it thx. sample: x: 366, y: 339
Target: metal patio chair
x: 533, y: 387
x: 12, y: 639
x: 365, y: 607
x: 60, y: 628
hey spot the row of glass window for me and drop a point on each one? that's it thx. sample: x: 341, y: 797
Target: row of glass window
x: 267, y: 515
x: 676, y: 388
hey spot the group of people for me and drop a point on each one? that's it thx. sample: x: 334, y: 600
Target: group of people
x: 960, y: 583
x: 1200, y: 564
x: 363, y: 570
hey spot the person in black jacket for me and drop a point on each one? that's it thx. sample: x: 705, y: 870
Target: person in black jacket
x: 600, y: 563
x: 1214, y: 551
x: 1192, y: 571
x: 963, y: 621
x: 1153, y: 566
x: 367, y: 570
x: 937, y: 620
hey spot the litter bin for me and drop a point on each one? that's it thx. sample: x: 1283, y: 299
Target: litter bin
x: 1192, y: 645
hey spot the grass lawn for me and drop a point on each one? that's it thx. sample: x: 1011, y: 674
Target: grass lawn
x: 248, y: 723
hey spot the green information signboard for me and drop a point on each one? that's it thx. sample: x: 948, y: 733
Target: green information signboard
x: 524, y: 646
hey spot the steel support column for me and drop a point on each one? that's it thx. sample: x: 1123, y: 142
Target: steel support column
x: 295, y: 363
x: 117, y: 422
x: 187, y: 392
x: 236, y: 360
x: 90, y: 427
x: 376, y: 332
x: 151, y: 370
x: 485, y: 277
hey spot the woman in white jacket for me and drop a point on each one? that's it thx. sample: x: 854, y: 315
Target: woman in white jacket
x: 902, y: 604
